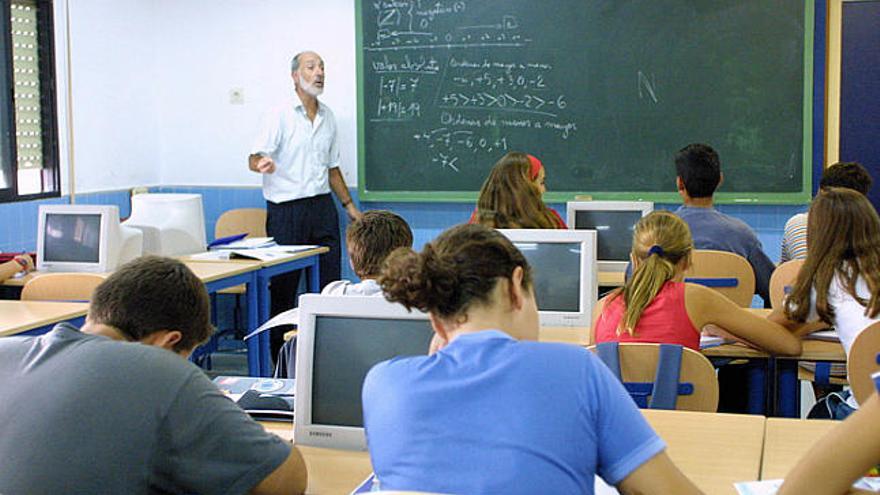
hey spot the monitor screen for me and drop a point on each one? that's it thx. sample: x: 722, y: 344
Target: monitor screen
x: 70, y: 237
x: 614, y: 231
x: 557, y: 274
x: 345, y: 349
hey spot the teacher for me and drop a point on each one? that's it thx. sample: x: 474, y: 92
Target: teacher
x: 297, y: 152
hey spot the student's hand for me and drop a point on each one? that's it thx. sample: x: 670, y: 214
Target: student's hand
x: 26, y: 262
x: 265, y: 165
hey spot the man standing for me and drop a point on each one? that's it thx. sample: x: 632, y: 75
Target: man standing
x: 117, y: 408
x: 698, y: 172
x: 297, y: 151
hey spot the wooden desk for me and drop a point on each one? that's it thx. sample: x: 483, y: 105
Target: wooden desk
x: 611, y: 279
x: 303, y: 260
x: 787, y: 440
x: 696, y: 443
x: 565, y: 335
x: 330, y: 471
x: 714, y: 450
x: 34, y: 317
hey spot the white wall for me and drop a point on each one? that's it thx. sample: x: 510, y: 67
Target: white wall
x: 115, y: 117
x: 209, y: 47
x: 151, y: 82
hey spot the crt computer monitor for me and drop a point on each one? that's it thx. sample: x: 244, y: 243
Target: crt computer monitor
x: 339, y: 339
x: 613, y: 222
x: 564, y: 271
x: 84, y: 238
x: 173, y: 224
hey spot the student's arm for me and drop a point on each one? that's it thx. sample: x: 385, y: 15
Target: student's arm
x: 12, y: 267
x: 705, y: 306
x: 658, y: 475
x: 289, y: 477
x: 797, y: 328
x: 763, y: 267
x: 839, y: 458
x: 337, y: 183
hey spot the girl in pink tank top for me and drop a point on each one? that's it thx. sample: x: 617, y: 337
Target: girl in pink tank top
x: 657, y: 306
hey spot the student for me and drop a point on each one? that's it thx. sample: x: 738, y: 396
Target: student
x: 488, y: 413
x: 839, y: 458
x: 117, y: 408
x: 511, y: 196
x: 839, y: 284
x: 18, y: 264
x: 698, y: 176
x: 842, y: 174
x: 369, y: 239
x: 656, y: 305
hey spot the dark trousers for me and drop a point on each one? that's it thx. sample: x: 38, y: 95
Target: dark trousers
x: 302, y: 221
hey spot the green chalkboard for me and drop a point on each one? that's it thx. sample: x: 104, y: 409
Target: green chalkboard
x: 603, y: 91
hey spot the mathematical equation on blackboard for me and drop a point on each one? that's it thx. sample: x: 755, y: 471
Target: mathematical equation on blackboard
x: 458, y: 88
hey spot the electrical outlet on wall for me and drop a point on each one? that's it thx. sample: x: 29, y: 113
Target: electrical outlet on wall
x: 236, y: 96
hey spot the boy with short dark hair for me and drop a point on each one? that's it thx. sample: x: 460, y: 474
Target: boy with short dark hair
x: 97, y: 411
x: 698, y: 170
x: 851, y: 175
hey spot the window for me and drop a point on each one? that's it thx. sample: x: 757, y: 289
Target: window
x: 28, y: 130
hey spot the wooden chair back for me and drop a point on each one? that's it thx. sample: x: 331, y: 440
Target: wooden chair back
x: 862, y: 362
x: 727, y: 273
x: 781, y: 281
x: 251, y: 221
x: 61, y: 287
x: 638, y: 365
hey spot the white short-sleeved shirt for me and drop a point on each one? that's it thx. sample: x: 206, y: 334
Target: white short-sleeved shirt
x: 849, y: 315
x: 304, y: 151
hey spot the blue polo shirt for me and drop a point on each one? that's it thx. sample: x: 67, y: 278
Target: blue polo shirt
x: 712, y: 229
x: 490, y: 414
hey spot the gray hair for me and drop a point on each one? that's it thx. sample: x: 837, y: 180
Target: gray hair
x: 294, y: 62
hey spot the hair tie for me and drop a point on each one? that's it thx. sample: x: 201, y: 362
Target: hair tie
x: 655, y: 249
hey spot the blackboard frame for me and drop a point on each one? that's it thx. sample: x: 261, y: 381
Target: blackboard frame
x: 800, y: 197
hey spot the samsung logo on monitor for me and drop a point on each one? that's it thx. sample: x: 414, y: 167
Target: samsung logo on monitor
x: 320, y: 434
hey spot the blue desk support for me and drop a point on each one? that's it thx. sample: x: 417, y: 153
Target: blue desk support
x: 760, y: 381
x: 78, y: 322
x: 788, y: 389
x: 313, y: 284
x: 249, y: 279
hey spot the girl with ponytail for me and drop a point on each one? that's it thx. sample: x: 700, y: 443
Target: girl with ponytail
x: 486, y: 413
x: 656, y: 305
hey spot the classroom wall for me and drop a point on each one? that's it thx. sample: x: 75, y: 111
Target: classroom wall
x: 115, y: 122
x: 208, y: 48
x: 151, y: 106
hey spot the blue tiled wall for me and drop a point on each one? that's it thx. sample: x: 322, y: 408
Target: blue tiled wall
x: 18, y: 227
x: 429, y: 219
x: 18, y: 230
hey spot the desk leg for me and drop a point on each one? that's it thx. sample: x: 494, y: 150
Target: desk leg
x: 264, y: 311
x: 788, y: 388
x: 253, y: 321
x: 757, y: 376
x: 314, y: 274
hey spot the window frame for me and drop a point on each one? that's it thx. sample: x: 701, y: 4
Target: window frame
x: 51, y: 170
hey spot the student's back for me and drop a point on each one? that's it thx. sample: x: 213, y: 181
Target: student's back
x: 503, y: 416
x: 487, y: 414
x: 656, y: 306
x: 76, y: 418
